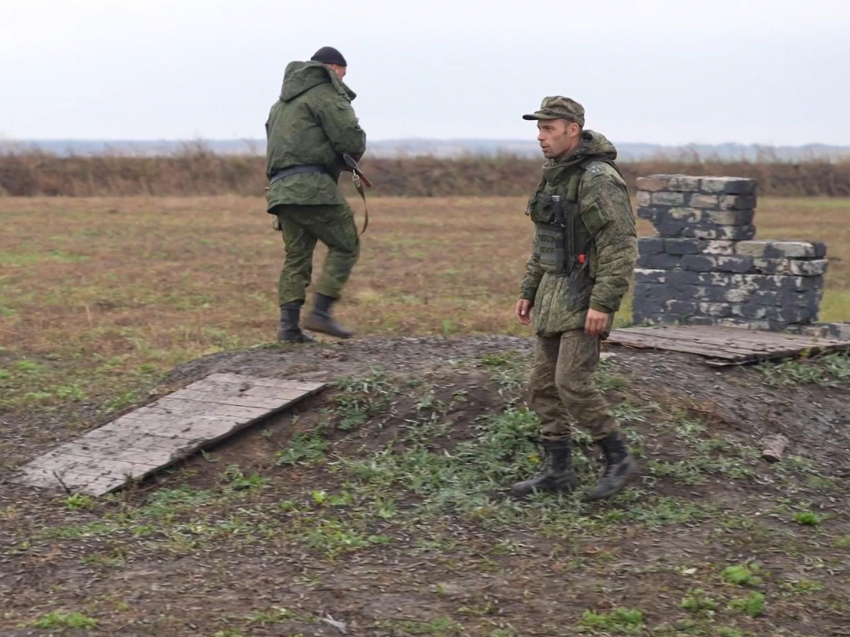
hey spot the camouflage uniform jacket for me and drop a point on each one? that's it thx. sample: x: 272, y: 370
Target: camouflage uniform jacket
x: 605, y: 235
x: 312, y: 123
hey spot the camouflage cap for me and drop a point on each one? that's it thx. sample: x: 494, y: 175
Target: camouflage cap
x: 557, y: 107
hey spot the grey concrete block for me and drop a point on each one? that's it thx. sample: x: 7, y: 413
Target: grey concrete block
x: 729, y: 217
x: 643, y: 198
x: 735, y: 233
x: 674, y: 183
x: 702, y: 200
x: 840, y: 331
x: 649, y: 276
x: 665, y: 198
x: 778, y: 249
x: 790, y: 266
x: 658, y: 261
x: 650, y: 245
x: 737, y: 202
x: 702, y: 263
x: 684, y: 246
x: 681, y: 308
x: 728, y: 185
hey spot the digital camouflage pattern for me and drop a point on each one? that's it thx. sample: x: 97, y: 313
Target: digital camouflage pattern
x: 301, y: 227
x: 562, y: 379
x: 312, y: 123
x: 557, y: 107
x: 606, y: 234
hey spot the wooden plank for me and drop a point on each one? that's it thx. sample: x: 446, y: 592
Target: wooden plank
x: 698, y: 340
x: 156, y: 436
x: 266, y: 382
x: 725, y: 345
x: 650, y: 342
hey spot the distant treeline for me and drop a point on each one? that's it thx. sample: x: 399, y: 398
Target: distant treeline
x: 196, y: 171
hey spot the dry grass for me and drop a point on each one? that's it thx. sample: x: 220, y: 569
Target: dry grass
x: 98, y: 292
x: 197, y: 171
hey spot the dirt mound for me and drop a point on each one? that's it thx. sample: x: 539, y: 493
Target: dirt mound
x: 379, y: 507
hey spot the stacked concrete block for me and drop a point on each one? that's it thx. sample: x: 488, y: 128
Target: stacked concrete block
x: 704, y: 268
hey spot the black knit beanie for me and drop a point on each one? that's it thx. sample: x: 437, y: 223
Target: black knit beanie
x: 329, y: 55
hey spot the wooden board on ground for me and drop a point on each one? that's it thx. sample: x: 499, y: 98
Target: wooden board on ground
x: 724, y: 345
x: 164, y: 432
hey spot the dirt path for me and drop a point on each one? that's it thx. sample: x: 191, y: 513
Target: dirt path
x: 379, y: 508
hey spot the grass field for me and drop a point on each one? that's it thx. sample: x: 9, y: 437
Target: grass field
x: 97, y: 293
x: 377, y: 508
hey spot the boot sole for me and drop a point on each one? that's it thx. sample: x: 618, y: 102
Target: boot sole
x: 567, y: 488
x: 321, y: 330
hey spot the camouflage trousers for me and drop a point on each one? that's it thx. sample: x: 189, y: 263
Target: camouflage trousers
x: 561, y: 390
x: 302, y: 227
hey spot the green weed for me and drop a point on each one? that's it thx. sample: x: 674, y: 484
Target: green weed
x: 752, y: 604
x: 304, y: 448
x: 61, y: 619
x: 807, y: 518
x: 621, y: 621
x: 742, y: 575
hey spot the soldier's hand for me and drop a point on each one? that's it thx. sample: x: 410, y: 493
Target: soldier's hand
x: 523, y: 311
x: 595, y: 323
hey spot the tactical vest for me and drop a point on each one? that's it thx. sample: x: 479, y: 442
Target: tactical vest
x: 563, y: 240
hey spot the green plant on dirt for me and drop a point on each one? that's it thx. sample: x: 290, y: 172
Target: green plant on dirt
x: 742, y: 575
x: 304, y: 448
x: 439, y: 627
x: 78, y: 501
x: 832, y: 370
x: 699, y: 602
x: 333, y: 537
x: 273, y: 615
x: 728, y: 631
x: 752, y: 604
x: 620, y: 621
x: 804, y: 586
x: 605, y: 380
x: 509, y: 370
x: 360, y: 399
x: 807, y: 518
x: 238, y: 481
x: 61, y: 620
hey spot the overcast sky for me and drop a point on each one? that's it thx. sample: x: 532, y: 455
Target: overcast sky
x: 706, y: 71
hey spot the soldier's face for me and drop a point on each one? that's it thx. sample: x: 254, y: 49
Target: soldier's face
x: 557, y: 137
x: 339, y: 70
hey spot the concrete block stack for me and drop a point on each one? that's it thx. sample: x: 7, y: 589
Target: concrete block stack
x: 704, y: 268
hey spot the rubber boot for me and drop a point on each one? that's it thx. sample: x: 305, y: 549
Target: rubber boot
x: 557, y: 472
x: 289, y: 330
x: 619, y: 467
x: 320, y: 319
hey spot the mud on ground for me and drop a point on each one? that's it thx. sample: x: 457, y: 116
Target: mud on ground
x: 379, y: 508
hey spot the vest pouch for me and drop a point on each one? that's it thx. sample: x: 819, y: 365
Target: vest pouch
x: 541, y: 209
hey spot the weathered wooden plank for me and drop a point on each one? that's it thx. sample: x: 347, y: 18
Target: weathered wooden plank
x: 226, y: 398
x: 158, y: 435
x: 235, y: 389
x: 697, y: 340
x: 266, y: 382
x: 724, y: 345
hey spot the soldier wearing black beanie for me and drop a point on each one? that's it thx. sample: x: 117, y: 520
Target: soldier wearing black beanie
x: 329, y: 55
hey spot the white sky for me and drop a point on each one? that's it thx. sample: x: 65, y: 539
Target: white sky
x: 706, y: 71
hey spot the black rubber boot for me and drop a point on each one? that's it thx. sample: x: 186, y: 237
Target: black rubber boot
x: 619, y: 467
x: 320, y: 319
x: 557, y: 473
x: 289, y: 330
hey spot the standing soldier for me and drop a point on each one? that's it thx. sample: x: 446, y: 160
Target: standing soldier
x: 309, y: 130
x: 584, y: 252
